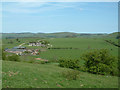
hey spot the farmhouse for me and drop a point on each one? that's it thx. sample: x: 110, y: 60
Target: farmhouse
x: 42, y: 43
x: 36, y: 44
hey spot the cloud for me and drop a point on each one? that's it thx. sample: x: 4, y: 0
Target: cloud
x: 39, y: 7
x: 22, y: 7
x: 34, y: 7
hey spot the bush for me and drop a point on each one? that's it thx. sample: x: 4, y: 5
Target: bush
x: 31, y: 61
x: 119, y: 66
x: 13, y: 58
x: 100, y: 62
x: 69, y: 63
x: 71, y: 74
x: 26, y: 52
x: 3, y: 55
x: 43, y: 62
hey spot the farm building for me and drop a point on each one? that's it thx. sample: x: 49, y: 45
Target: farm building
x: 42, y: 43
x: 19, y: 48
x: 36, y: 44
x: 16, y: 51
x: 22, y: 51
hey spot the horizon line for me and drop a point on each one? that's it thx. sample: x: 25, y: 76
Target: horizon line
x: 65, y: 32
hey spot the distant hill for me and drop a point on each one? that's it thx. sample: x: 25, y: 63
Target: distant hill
x: 51, y: 35
x: 115, y: 35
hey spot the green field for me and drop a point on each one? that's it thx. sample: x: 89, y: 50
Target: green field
x: 0, y: 64
x: 83, y: 45
x: 31, y: 75
x: 18, y: 74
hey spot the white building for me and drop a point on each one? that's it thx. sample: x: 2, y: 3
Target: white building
x: 36, y: 44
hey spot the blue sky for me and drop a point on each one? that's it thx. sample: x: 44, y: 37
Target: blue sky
x: 49, y: 17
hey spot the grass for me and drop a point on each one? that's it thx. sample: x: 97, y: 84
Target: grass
x: 0, y: 74
x: 26, y: 75
x: 31, y: 75
x: 0, y: 64
x: 83, y: 45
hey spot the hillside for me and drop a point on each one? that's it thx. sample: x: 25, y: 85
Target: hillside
x: 26, y: 75
x: 113, y: 38
x: 115, y: 35
x: 29, y: 74
x: 50, y: 35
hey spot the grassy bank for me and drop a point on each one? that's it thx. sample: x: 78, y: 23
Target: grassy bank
x: 26, y: 75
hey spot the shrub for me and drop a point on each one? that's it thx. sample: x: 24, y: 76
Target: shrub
x: 119, y: 66
x: 13, y: 58
x: 31, y: 61
x: 43, y: 62
x: 71, y: 74
x: 69, y: 63
x: 53, y: 61
x: 100, y: 62
x: 27, y: 52
x: 3, y: 55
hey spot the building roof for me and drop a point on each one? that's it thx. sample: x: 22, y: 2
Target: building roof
x: 18, y: 47
x: 20, y: 50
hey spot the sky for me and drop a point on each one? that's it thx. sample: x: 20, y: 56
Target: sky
x: 49, y: 17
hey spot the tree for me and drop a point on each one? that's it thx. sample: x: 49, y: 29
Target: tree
x: 17, y: 40
x: 100, y: 62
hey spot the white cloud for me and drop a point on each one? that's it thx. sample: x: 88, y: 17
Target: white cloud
x: 22, y: 7
x: 35, y: 7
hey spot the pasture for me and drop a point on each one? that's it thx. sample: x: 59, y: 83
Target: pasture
x: 33, y: 75
x: 79, y: 45
x: 0, y: 63
x: 82, y: 44
x: 19, y: 75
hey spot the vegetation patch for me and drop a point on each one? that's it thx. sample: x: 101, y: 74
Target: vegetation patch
x: 69, y: 63
x: 71, y: 74
x: 13, y: 58
x: 100, y: 62
x: 113, y: 43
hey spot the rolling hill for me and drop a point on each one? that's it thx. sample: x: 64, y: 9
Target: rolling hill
x: 28, y: 75
x: 51, y: 35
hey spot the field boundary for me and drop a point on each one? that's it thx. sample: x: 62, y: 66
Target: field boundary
x: 117, y: 45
